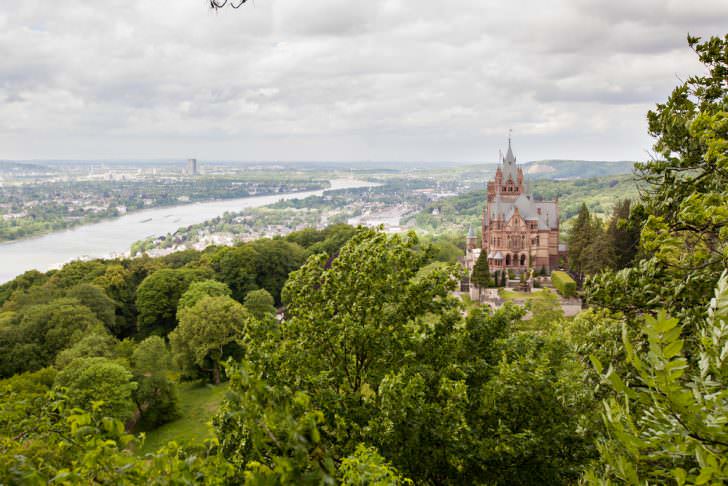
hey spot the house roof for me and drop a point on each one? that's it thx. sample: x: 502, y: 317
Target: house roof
x: 546, y: 213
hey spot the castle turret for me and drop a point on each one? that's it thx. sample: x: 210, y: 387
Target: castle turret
x: 471, y: 241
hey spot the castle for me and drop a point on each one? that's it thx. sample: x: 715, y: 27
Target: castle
x: 518, y: 232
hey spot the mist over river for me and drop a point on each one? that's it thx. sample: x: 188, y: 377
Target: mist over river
x: 114, y: 237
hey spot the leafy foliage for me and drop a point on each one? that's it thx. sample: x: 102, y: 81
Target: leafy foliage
x: 374, y: 359
x: 260, y: 303
x: 481, y: 273
x: 563, y: 283
x: 199, y: 290
x: 671, y: 425
x: 101, y: 380
x: 207, y: 333
x: 684, y: 239
x: 157, y: 298
x: 41, y: 332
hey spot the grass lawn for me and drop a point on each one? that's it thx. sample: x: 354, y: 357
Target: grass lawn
x: 197, y: 403
x: 513, y: 295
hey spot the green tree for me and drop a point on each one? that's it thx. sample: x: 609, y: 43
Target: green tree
x: 95, y: 343
x: 42, y: 332
x: 199, y: 290
x: 120, y: 284
x: 275, y: 260
x: 366, y: 305
x: 260, y: 303
x: 367, y: 468
x: 59, y: 444
x: 623, y: 234
x: 545, y: 310
x: 480, y: 276
x: 381, y: 357
x: 20, y: 283
x: 670, y: 425
x: 100, y: 304
x: 335, y: 236
x: 76, y: 272
x: 88, y: 380
x: 206, y: 333
x: 157, y: 298
x: 155, y: 396
x: 579, y: 238
x: 684, y: 241
x: 236, y: 267
x: 151, y: 356
x: 598, y: 255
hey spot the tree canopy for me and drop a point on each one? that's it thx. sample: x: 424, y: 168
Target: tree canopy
x: 207, y: 331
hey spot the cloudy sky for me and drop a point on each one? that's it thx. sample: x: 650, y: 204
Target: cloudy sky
x: 341, y: 79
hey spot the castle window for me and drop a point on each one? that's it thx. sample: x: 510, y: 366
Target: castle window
x: 523, y: 259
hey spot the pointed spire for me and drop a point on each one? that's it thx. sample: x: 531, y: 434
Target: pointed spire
x: 471, y: 233
x: 510, y: 158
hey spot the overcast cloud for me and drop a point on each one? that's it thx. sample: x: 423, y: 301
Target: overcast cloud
x: 341, y: 79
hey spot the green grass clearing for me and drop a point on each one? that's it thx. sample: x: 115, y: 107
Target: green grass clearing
x: 198, y: 403
x: 514, y: 295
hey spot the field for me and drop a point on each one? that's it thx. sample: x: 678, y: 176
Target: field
x: 198, y: 403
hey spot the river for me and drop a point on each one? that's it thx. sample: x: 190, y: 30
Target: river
x: 114, y: 237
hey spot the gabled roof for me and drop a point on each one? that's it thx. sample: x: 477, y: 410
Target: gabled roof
x: 527, y: 209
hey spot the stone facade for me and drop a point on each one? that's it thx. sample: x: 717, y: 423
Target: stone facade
x: 518, y: 232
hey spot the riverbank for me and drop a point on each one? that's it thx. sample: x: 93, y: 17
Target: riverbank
x: 32, y: 227
x: 115, y: 237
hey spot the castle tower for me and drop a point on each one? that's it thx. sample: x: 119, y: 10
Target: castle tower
x: 471, y: 241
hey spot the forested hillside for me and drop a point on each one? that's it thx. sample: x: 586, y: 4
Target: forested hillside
x: 375, y: 372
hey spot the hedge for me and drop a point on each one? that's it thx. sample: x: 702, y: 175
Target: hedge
x: 563, y: 283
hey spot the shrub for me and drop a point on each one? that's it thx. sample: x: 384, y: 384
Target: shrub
x: 563, y: 283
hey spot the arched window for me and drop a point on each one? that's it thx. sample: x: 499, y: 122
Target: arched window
x: 523, y: 259
x: 508, y: 259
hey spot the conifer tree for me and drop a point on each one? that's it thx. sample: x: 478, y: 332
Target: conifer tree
x: 599, y: 252
x: 580, y: 237
x: 481, y: 273
x: 623, y: 234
